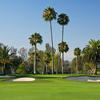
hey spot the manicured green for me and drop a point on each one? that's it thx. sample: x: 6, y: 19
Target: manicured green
x: 53, y: 87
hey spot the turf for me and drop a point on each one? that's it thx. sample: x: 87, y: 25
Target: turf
x: 49, y: 88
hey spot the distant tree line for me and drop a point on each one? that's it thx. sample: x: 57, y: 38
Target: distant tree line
x: 22, y: 61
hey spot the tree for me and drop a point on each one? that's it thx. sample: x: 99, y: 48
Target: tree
x: 47, y: 59
x: 4, y: 57
x: 63, y: 47
x: 40, y: 61
x: 13, y: 51
x: 35, y: 39
x: 79, y: 63
x: 49, y: 48
x: 23, y: 53
x: 49, y: 14
x: 57, y: 64
x: 22, y: 68
x: 15, y: 62
x: 63, y: 20
x: 77, y: 53
x: 91, y: 53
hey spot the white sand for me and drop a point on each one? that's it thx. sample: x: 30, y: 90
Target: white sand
x: 84, y: 78
x: 25, y: 79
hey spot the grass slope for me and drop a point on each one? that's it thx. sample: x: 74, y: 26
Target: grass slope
x: 49, y: 88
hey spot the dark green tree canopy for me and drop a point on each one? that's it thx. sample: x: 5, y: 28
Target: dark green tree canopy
x: 49, y: 14
x: 4, y: 54
x: 63, y: 19
x: 35, y: 38
x: 49, y: 48
x: 47, y: 57
x: 63, y: 47
x: 91, y: 52
x: 77, y: 51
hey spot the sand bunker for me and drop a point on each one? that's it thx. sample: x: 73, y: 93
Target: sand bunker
x: 25, y: 79
x: 84, y: 78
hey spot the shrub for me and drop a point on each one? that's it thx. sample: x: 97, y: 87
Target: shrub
x: 22, y: 68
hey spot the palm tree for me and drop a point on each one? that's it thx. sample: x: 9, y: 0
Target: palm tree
x: 63, y: 20
x: 4, y: 57
x: 77, y: 53
x: 95, y: 50
x: 63, y: 47
x: 49, y: 14
x: 35, y: 39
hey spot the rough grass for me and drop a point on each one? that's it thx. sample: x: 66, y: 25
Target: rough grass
x: 49, y: 87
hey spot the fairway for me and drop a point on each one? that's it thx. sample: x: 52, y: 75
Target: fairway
x: 49, y: 88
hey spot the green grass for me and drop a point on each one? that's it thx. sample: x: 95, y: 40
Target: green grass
x: 49, y: 87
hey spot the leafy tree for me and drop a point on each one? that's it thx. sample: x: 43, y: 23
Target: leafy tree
x: 89, y: 68
x: 57, y: 64
x: 79, y: 63
x: 77, y: 52
x: 47, y: 59
x: 49, y: 14
x: 35, y: 39
x: 63, y: 47
x: 13, y: 51
x: 23, y: 53
x: 4, y: 57
x: 40, y: 61
x: 22, y: 68
x: 49, y: 48
x: 91, y: 53
x: 15, y: 62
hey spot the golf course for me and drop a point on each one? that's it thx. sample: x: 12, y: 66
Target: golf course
x: 49, y: 87
x: 49, y: 49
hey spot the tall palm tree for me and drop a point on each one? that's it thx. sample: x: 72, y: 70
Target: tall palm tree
x: 77, y: 52
x: 35, y: 39
x: 4, y: 57
x: 63, y: 20
x: 63, y: 47
x: 49, y: 14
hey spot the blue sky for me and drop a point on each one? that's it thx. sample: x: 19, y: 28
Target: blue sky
x: 20, y: 18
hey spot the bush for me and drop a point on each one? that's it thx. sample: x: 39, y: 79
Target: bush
x: 22, y: 68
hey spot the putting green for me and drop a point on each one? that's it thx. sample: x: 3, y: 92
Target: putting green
x: 49, y: 89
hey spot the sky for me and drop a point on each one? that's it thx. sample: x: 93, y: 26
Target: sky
x: 21, y: 18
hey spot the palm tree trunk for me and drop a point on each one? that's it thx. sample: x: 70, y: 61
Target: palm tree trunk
x: 63, y: 52
x: 35, y: 60
x: 62, y: 33
x: 4, y: 69
x: 96, y: 69
x: 52, y: 48
x: 62, y: 63
x: 46, y: 69
x: 77, y: 64
x: 57, y: 66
